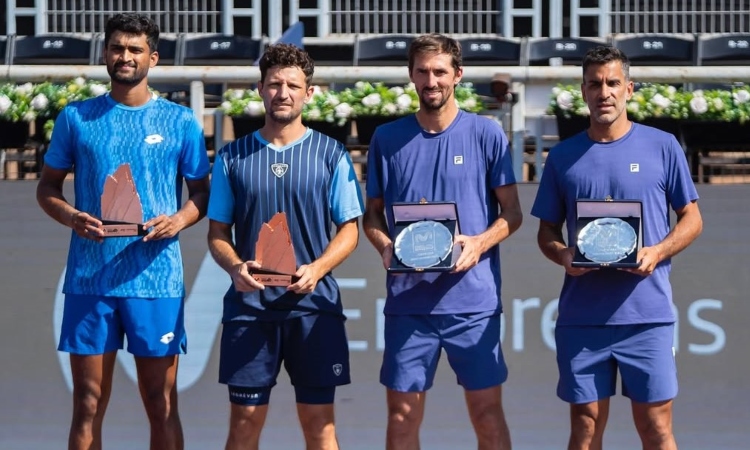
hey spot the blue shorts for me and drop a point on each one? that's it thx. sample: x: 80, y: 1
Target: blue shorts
x: 314, y: 350
x: 413, y: 344
x: 588, y: 359
x: 94, y: 325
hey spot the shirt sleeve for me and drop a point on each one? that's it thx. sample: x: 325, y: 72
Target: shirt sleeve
x: 680, y: 187
x: 375, y: 183
x: 194, y: 164
x: 221, y: 199
x: 345, y: 197
x: 548, y: 204
x: 60, y: 152
x: 500, y: 158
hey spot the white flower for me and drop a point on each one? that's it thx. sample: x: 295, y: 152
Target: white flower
x: 313, y: 114
x: 556, y: 91
x: 317, y: 90
x: 25, y: 89
x: 390, y: 109
x: 359, y: 85
x: 397, y: 90
x: 373, y: 99
x: 661, y: 101
x: 470, y: 103
x: 255, y: 108
x: 236, y: 94
x: 332, y: 100
x: 403, y: 101
x: 698, y: 93
x: 741, y: 96
x: 29, y: 116
x: 671, y: 90
x: 225, y: 106
x: 98, y: 89
x: 565, y: 100
x: 583, y: 111
x: 39, y: 102
x: 343, y: 110
x: 80, y: 81
x: 5, y: 104
x: 718, y: 104
x: 698, y: 105
x: 633, y: 107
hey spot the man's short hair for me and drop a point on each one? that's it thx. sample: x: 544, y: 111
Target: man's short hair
x: 435, y: 44
x: 604, y: 54
x: 135, y: 24
x: 286, y: 55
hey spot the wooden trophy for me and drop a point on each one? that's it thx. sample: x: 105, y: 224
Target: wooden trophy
x: 275, y: 253
x: 122, y: 213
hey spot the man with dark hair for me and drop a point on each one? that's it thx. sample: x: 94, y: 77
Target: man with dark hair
x: 443, y: 154
x: 125, y: 286
x: 614, y: 320
x: 283, y: 168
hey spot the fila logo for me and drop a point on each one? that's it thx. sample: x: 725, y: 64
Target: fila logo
x: 337, y: 368
x: 153, y: 139
x: 458, y: 160
x: 279, y: 169
x: 635, y: 167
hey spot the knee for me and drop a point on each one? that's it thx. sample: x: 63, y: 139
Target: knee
x: 244, y: 424
x: 488, y: 422
x: 158, y: 405
x: 653, y: 433
x: 318, y: 427
x: 87, y: 404
x: 403, y: 420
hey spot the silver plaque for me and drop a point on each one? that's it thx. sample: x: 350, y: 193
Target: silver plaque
x: 423, y: 244
x: 607, y: 240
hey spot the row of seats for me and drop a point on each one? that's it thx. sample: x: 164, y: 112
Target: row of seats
x: 672, y: 50
x: 725, y: 49
x: 179, y: 50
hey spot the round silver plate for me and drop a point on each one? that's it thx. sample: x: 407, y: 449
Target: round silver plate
x: 607, y: 240
x: 423, y: 244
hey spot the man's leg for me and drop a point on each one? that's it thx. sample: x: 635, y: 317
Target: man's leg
x: 245, y: 424
x: 92, y: 386
x: 587, y: 423
x: 405, y: 414
x: 157, y: 382
x: 654, y: 424
x: 487, y: 416
x: 318, y: 426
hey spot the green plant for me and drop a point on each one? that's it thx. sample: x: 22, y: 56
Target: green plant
x: 567, y: 101
x: 327, y: 106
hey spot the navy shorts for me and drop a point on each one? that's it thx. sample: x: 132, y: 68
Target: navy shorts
x: 588, y: 359
x: 94, y: 325
x: 313, y: 348
x: 413, y: 344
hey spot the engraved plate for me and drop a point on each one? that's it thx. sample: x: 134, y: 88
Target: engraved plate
x: 423, y: 244
x: 607, y: 240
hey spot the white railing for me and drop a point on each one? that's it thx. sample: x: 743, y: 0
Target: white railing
x: 532, y: 84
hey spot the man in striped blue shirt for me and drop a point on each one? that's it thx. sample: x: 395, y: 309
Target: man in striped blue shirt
x: 125, y: 286
x: 284, y: 167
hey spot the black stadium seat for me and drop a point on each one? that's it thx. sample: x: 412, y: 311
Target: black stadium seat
x: 221, y: 50
x: 569, y: 50
x: 386, y: 50
x: 657, y: 50
x: 724, y: 50
x: 490, y: 51
x: 52, y: 49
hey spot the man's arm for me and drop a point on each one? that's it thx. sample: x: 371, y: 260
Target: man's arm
x: 222, y: 249
x: 688, y: 227
x: 552, y: 244
x: 376, y: 229
x: 340, y: 247
x: 191, y: 212
x: 49, y: 195
x: 507, y: 223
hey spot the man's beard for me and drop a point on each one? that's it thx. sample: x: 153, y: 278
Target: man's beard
x: 132, y: 80
x: 285, y: 117
x: 433, y: 104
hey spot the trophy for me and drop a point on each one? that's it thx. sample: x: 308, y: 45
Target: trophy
x: 608, y: 233
x: 275, y: 253
x: 424, y: 235
x: 122, y: 214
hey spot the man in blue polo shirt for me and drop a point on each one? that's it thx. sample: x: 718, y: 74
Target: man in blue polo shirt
x: 443, y: 154
x: 617, y: 320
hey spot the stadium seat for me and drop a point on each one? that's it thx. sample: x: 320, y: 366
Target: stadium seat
x: 490, y: 51
x: 52, y: 49
x: 386, y: 50
x: 724, y: 50
x: 657, y: 50
x: 221, y: 50
x: 570, y: 51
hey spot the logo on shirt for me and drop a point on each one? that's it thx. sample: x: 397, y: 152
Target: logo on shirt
x: 457, y: 160
x: 279, y: 169
x: 635, y: 167
x: 167, y: 338
x: 337, y: 368
x: 153, y: 139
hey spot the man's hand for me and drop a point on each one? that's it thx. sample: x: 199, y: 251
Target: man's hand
x: 87, y: 226
x: 242, y: 278
x: 162, y: 227
x: 470, y: 252
x: 648, y: 258
x: 308, y: 279
x: 566, y: 257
